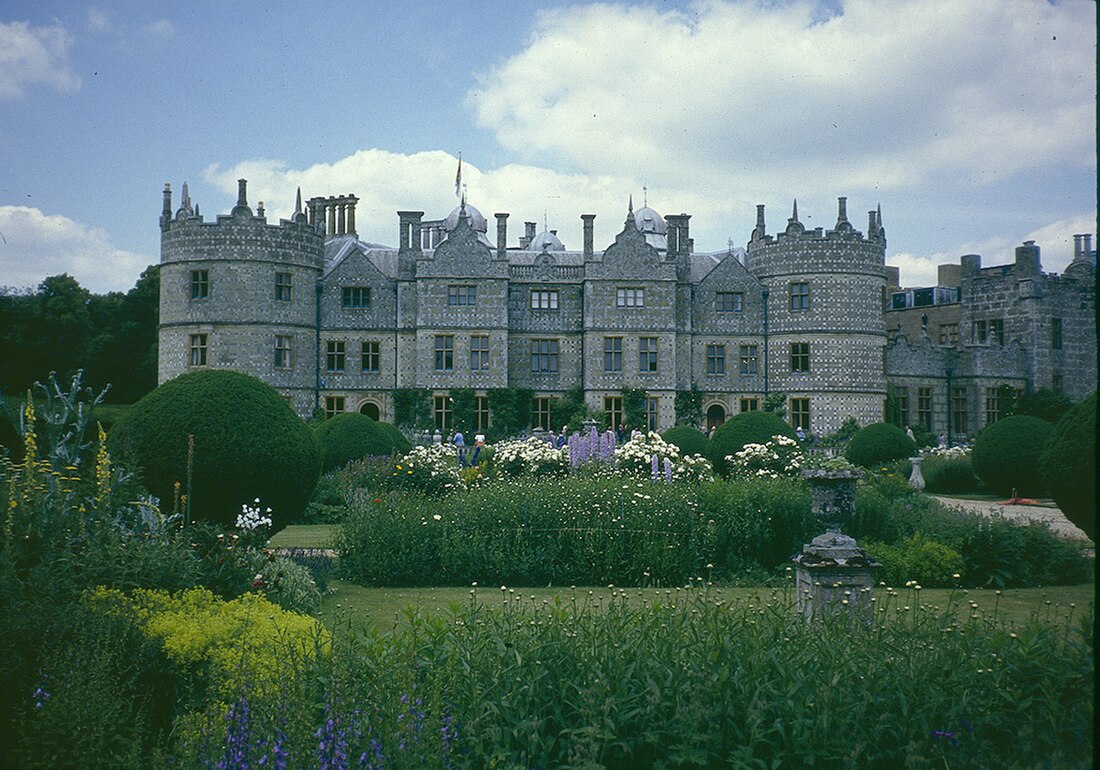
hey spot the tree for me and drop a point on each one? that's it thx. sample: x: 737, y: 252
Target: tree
x: 1068, y: 465
x: 689, y: 407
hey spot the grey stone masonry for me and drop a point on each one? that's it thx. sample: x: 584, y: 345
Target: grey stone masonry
x: 335, y: 322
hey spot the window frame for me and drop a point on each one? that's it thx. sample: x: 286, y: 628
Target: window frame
x: 613, y: 355
x: 284, y: 354
x: 748, y: 359
x: 647, y: 355
x: 729, y: 301
x: 800, y: 357
x: 925, y: 405
x: 613, y: 407
x: 629, y: 296
x: 284, y: 287
x: 544, y: 355
x: 800, y: 412
x: 444, y: 352
x: 355, y: 297
x: 461, y: 295
x: 479, y: 356
x: 544, y: 299
x: 715, y: 360
x: 200, y: 285
x: 336, y: 356
x: 370, y: 356
x: 198, y: 346
x: 798, y: 293
x: 335, y: 405
x: 1057, y: 331
x: 752, y: 402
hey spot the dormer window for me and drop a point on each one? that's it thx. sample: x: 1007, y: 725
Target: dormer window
x: 630, y: 297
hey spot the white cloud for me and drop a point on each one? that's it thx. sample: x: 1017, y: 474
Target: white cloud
x: 32, y: 55
x: 35, y: 245
x: 1055, y: 241
x: 876, y: 97
x: 160, y: 28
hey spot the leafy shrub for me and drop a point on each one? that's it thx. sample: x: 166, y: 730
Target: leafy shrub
x: 995, y: 552
x: 218, y: 643
x: 352, y: 436
x: 533, y: 456
x: 431, y: 469
x: 931, y: 564
x: 1006, y: 455
x: 843, y: 434
x: 739, y: 430
x: 879, y: 443
x: 1043, y: 403
x: 290, y: 585
x: 949, y: 471
x: 646, y: 454
x: 781, y: 456
x: 689, y: 440
x: 11, y: 441
x: 1068, y: 465
x: 248, y: 443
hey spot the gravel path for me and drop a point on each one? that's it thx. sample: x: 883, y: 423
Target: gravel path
x: 1048, y: 515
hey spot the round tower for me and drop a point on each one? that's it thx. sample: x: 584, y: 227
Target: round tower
x: 824, y: 326
x: 240, y: 294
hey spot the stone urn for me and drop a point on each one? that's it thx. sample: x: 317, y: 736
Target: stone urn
x: 833, y: 495
x: 916, y: 480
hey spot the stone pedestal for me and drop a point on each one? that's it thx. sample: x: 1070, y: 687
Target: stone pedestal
x: 916, y: 480
x: 833, y: 576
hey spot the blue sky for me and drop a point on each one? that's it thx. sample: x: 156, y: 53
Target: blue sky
x: 971, y: 122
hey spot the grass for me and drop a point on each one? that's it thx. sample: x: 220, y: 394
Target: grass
x: 305, y: 536
x: 385, y: 608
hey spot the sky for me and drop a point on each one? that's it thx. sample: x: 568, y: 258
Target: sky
x: 971, y: 122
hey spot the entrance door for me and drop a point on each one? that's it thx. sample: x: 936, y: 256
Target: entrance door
x: 716, y: 415
x: 370, y: 409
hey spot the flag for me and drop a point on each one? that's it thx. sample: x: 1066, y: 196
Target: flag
x: 458, y: 178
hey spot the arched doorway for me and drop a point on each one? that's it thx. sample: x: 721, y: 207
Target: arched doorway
x: 371, y: 410
x: 716, y: 415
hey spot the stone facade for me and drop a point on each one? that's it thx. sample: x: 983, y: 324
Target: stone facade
x: 337, y: 323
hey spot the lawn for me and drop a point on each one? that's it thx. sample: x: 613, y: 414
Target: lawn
x: 305, y: 536
x: 386, y: 608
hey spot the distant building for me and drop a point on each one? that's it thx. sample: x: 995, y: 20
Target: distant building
x: 338, y: 324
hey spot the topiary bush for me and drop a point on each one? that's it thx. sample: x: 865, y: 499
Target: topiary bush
x: 353, y: 436
x: 691, y: 441
x: 745, y: 428
x: 248, y: 444
x: 1006, y: 455
x: 879, y: 443
x: 1067, y: 465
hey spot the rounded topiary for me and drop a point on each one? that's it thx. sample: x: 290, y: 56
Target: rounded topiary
x: 399, y: 442
x: 1006, y: 455
x: 352, y: 436
x: 879, y: 443
x: 691, y: 441
x: 744, y: 428
x: 1067, y: 465
x: 248, y: 444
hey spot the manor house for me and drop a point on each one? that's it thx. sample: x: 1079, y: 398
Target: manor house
x: 813, y: 315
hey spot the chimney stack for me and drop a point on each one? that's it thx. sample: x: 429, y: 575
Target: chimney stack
x: 502, y: 234
x: 588, y: 219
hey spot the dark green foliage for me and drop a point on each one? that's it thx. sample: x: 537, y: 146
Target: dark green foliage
x: 1043, y: 403
x: 744, y: 428
x: 11, y: 441
x: 931, y: 564
x: 1006, y: 455
x: 689, y: 407
x: 570, y: 410
x: 510, y: 410
x: 996, y: 552
x: 948, y: 476
x: 1068, y: 465
x: 248, y: 444
x: 776, y: 403
x: 690, y: 440
x: 879, y: 443
x: 463, y: 416
x: 634, y: 408
x: 352, y: 436
x: 398, y: 440
x: 843, y: 434
x: 412, y: 408
x: 62, y: 327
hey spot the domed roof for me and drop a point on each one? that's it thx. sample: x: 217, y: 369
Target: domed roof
x: 649, y: 221
x: 477, y: 221
x: 546, y: 241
